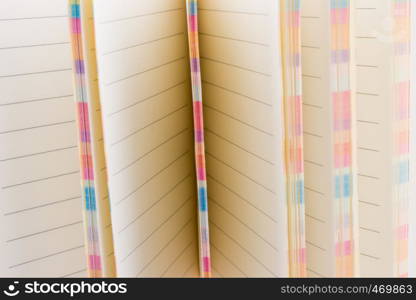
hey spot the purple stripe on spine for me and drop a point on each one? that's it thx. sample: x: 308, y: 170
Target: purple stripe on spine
x: 85, y: 136
x: 340, y: 56
x: 296, y: 59
x: 199, y: 136
x: 195, y: 65
x: 79, y: 67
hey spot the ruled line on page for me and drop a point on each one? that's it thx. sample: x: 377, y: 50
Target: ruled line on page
x: 142, y: 269
x: 266, y: 268
x: 141, y: 15
x: 217, y: 181
x: 182, y: 33
x: 160, y: 225
x: 239, y: 220
x: 44, y: 231
x: 170, y: 164
x: 45, y: 257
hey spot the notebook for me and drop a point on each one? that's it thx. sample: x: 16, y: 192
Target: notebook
x: 172, y: 98
x: 209, y: 138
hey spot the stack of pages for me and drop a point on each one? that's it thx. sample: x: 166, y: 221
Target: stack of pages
x: 207, y: 138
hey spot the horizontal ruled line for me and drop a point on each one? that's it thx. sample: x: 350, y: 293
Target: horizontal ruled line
x: 37, y: 100
x: 44, y: 231
x: 238, y: 146
x: 315, y: 246
x: 144, y: 71
x: 35, y: 45
x: 234, y: 12
x: 45, y: 257
x: 143, y: 43
x: 235, y: 66
x: 238, y: 120
x: 369, y: 256
x: 35, y: 73
x: 33, y: 18
x: 233, y: 39
x: 39, y: 180
x: 142, y: 15
x: 237, y: 93
x: 38, y: 153
x: 37, y: 127
x: 41, y: 206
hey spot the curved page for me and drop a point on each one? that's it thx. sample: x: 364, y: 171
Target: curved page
x: 146, y: 103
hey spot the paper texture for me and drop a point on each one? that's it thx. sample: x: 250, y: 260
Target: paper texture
x: 41, y: 220
x: 240, y: 64
x: 147, y: 118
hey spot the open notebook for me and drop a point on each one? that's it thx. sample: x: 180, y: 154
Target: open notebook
x: 153, y: 71
x: 138, y: 73
x: 237, y: 138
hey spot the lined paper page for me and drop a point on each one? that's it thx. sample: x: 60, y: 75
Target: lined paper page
x: 242, y: 106
x: 146, y: 108
x: 99, y: 162
x: 374, y: 81
x: 41, y: 221
x: 317, y: 112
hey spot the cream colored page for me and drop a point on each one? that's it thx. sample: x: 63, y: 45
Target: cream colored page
x: 317, y: 134
x: 373, y: 46
x: 41, y: 231
x: 240, y: 65
x: 100, y: 167
x: 146, y: 108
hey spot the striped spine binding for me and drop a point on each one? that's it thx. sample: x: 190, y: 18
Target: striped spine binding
x: 342, y: 137
x: 204, y: 248
x: 292, y: 86
x: 401, y: 36
x: 87, y: 181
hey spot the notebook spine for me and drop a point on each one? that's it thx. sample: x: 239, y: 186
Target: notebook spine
x: 292, y: 103
x: 342, y: 137
x: 90, y: 215
x: 203, y: 223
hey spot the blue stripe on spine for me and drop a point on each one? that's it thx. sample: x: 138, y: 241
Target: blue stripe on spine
x: 90, y: 202
x: 75, y: 11
x: 193, y: 8
x: 202, y: 193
